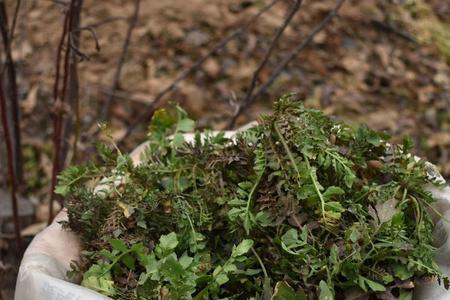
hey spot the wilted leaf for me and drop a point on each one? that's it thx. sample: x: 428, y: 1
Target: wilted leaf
x: 384, y: 212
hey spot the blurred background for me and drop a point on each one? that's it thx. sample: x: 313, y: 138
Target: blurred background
x: 69, y: 65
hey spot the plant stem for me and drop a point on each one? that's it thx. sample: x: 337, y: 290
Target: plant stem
x: 260, y: 262
x: 249, y: 201
x: 11, y: 173
x: 288, y: 151
x: 316, y: 185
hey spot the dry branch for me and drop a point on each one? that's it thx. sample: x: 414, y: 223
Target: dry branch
x: 148, y: 113
x: 123, y: 55
x: 72, y: 95
x: 286, y: 60
x: 295, y: 7
x: 11, y: 173
x: 58, y: 108
x: 11, y: 86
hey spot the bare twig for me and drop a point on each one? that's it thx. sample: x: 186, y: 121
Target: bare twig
x: 295, y: 7
x: 90, y: 29
x: 10, y: 68
x: 11, y: 173
x: 392, y: 29
x: 124, y: 95
x: 75, y: 36
x: 61, y: 2
x: 72, y: 95
x: 106, y: 21
x: 286, y: 60
x: 123, y: 56
x: 58, y: 110
x: 14, y: 22
x: 148, y: 113
x: 77, y: 51
x: 9, y: 35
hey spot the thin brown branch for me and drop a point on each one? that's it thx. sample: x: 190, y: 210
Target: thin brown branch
x: 390, y: 28
x: 279, y: 32
x: 148, y: 113
x: 72, y: 95
x: 124, y: 95
x: 90, y: 29
x: 11, y: 86
x: 11, y: 173
x: 14, y: 22
x: 9, y: 35
x: 286, y: 60
x: 58, y: 109
x: 123, y: 56
x: 107, y: 21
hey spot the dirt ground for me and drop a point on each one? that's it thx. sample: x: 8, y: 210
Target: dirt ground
x: 383, y: 63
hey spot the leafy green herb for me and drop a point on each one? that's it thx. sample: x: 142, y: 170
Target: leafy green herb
x: 298, y: 207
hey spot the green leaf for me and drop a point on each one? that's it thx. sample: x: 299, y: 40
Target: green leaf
x: 236, y: 202
x: 401, y: 271
x: 172, y: 269
x: 242, y: 248
x: 168, y: 183
x: 326, y: 292
x: 229, y: 268
x: 69, y: 177
x: 334, y: 206
x: 283, y: 291
x: 333, y: 191
x: 405, y: 295
x: 118, y: 245
x: 168, y: 241
x: 294, y: 244
x: 178, y: 140
x: 148, y: 290
x: 354, y: 234
x: 186, y: 261
x: 222, y: 278
x: 185, y: 125
x: 99, y: 279
x: 263, y: 219
x: 106, y: 153
x: 374, y: 286
x: 161, y: 122
x: 107, y: 254
x: 408, y: 144
x: 128, y: 261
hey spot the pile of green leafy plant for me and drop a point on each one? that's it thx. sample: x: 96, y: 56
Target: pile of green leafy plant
x: 297, y: 207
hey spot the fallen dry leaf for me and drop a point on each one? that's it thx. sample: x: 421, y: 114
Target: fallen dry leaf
x: 30, y: 101
x: 439, y: 139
